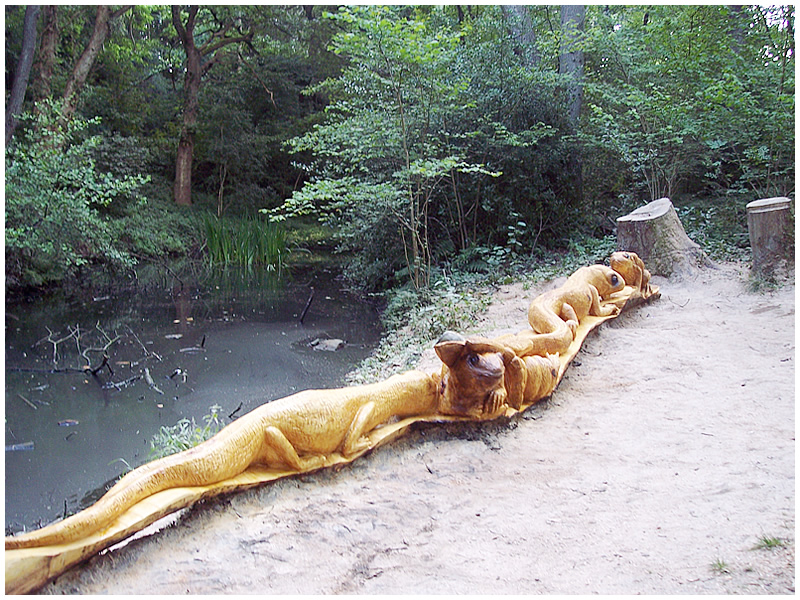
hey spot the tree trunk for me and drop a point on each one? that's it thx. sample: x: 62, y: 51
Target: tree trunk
x: 46, y: 62
x: 571, y: 59
x: 81, y: 71
x: 571, y: 66
x: 191, y: 87
x: 183, y: 165
x: 768, y: 223
x: 518, y: 18
x: 195, y: 69
x: 736, y: 27
x: 656, y: 234
x: 23, y: 70
x: 86, y: 61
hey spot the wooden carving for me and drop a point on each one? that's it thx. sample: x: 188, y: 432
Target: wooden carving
x: 480, y: 379
x: 554, y: 316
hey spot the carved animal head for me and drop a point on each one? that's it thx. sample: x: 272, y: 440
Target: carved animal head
x: 605, y: 279
x: 631, y: 267
x: 472, y: 376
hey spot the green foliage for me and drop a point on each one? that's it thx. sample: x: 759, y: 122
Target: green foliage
x: 410, y: 162
x: 718, y: 226
x: 415, y: 319
x: 427, y: 136
x: 246, y: 242
x: 185, y: 434
x: 768, y: 542
x: 691, y: 99
x: 156, y: 227
x: 55, y: 202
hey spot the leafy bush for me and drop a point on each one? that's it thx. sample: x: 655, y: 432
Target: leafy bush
x: 436, y: 139
x: 54, y: 202
x: 719, y: 226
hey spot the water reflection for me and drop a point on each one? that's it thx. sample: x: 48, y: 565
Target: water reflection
x: 232, y: 340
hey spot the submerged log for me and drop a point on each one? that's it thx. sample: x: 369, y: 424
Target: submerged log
x: 768, y: 223
x: 656, y: 234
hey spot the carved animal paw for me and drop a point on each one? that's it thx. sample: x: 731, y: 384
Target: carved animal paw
x: 495, y: 403
x: 354, y: 448
x: 311, y: 463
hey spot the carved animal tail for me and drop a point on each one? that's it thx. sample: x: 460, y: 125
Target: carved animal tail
x: 204, y: 464
x: 553, y: 335
x: 101, y: 514
x: 531, y: 343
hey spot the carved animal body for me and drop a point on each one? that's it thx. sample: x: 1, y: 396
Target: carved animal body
x: 298, y: 432
x: 472, y: 366
x: 632, y: 269
x: 555, y: 315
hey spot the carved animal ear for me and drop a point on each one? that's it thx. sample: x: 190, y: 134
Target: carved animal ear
x: 450, y: 336
x: 484, y: 346
x: 450, y: 352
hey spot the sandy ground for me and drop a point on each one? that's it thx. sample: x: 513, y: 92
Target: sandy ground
x: 662, y: 458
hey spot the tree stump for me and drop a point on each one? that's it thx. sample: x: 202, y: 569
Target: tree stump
x: 767, y: 222
x: 656, y: 234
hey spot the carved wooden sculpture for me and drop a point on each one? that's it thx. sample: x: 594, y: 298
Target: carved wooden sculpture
x: 554, y: 316
x: 480, y: 379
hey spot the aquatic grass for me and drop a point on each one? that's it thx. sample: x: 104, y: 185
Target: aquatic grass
x: 247, y: 243
x: 184, y: 434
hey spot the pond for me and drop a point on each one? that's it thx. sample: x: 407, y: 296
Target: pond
x: 174, y: 351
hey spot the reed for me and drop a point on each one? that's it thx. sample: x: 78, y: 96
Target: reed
x: 248, y: 243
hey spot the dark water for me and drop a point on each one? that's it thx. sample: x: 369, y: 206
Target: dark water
x: 252, y: 349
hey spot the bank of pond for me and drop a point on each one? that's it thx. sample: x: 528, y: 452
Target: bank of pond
x: 92, y: 378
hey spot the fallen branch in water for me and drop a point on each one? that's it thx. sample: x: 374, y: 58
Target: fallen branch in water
x: 121, y: 384
x: 238, y: 408
x: 147, y: 353
x: 28, y: 402
x: 149, y: 379
x: 308, y: 305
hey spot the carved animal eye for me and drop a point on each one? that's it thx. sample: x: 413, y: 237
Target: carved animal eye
x: 626, y: 255
x: 614, y: 280
x: 473, y: 360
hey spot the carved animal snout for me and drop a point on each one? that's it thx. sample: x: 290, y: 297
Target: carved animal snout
x: 472, y: 375
x: 486, y: 366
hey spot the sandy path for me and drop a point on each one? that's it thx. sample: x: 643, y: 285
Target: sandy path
x: 668, y: 447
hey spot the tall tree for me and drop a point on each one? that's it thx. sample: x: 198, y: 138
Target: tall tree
x: 46, y: 57
x: 86, y: 61
x: 199, y: 59
x: 519, y: 21
x: 23, y: 70
x: 571, y: 66
x: 571, y: 60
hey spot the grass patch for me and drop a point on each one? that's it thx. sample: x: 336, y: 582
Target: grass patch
x: 184, y: 434
x: 766, y: 542
x: 250, y: 242
x: 415, y: 320
x: 720, y: 566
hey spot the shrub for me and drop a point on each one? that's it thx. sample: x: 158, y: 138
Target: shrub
x: 54, y: 198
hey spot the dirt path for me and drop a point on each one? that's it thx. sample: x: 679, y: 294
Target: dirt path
x: 661, y: 459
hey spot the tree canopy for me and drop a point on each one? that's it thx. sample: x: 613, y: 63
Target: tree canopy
x: 426, y: 135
